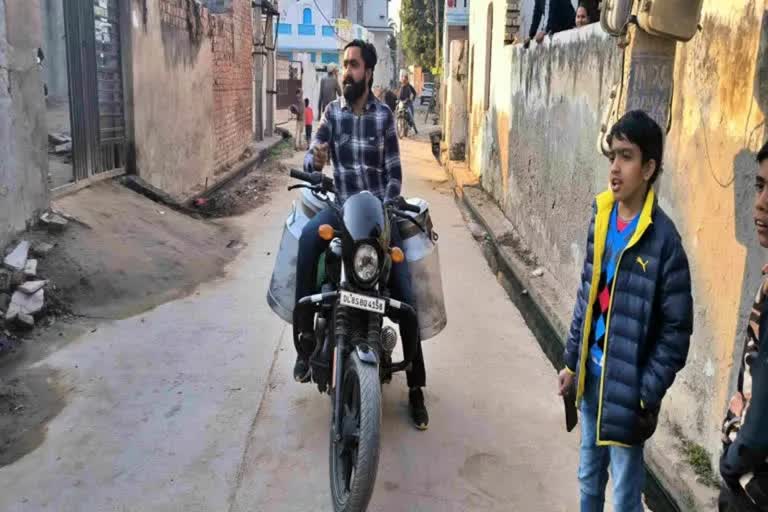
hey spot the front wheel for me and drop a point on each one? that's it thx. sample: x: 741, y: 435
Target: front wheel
x: 402, y: 127
x: 354, y: 459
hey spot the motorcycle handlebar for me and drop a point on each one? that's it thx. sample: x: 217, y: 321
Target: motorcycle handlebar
x: 305, y: 176
x: 404, y: 206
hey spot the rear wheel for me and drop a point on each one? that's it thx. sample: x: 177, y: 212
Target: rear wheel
x: 354, y: 459
x: 402, y: 127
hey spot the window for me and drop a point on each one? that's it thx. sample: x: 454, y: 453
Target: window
x: 488, y: 58
x: 329, y: 58
x: 313, y: 57
x: 328, y: 31
x: 306, y: 30
x: 284, y: 28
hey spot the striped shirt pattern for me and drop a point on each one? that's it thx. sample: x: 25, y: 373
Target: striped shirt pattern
x: 363, y: 148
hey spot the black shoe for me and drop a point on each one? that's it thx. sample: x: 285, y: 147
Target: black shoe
x: 301, y: 371
x: 419, y: 413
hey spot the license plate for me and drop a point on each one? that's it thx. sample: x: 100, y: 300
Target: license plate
x: 354, y: 300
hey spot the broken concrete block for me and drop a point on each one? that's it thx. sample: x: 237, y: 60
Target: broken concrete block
x: 54, y: 222
x: 41, y: 249
x: 6, y: 276
x: 58, y: 138
x: 32, y: 287
x: 17, y: 259
x: 12, y: 312
x: 30, y: 269
x: 25, y: 321
x: 63, y: 148
x: 538, y: 272
x: 26, y: 304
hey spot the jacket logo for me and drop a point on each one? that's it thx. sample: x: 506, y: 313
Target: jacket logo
x: 643, y: 264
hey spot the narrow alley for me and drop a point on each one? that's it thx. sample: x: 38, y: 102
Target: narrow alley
x: 192, y: 406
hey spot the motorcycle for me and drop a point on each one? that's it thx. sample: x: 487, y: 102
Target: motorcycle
x: 404, y: 120
x: 353, y: 352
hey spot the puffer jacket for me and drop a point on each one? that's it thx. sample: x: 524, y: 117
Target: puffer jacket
x: 649, y: 325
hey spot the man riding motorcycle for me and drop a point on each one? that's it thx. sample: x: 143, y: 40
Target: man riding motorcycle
x: 408, y: 96
x: 358, y: 132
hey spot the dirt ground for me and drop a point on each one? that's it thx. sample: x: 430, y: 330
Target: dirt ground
x: 125, y: 254
x: 249, y: 192
x: 121, y: 255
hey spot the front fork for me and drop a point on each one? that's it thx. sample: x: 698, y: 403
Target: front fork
x: 338, y: 376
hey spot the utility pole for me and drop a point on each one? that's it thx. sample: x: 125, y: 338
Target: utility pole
x: 437, y: 33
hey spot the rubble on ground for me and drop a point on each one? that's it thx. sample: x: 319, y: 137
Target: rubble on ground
x: 17, y: 259
x: 54, y: 222
x: 23, y: 298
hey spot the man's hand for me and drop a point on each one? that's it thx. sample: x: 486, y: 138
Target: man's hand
x: 736, y: 406
x: 565, y: 380
x: 540, y: 37
x: 320, y: 156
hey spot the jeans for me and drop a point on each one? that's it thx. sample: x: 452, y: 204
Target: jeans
x: 311, y: 246
x: 626, y: 464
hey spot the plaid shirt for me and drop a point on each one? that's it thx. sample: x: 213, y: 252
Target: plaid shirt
x: 363, y: 149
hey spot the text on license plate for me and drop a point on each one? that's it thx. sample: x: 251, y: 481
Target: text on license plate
x: 363, y: 302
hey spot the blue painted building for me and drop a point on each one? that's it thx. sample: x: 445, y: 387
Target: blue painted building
x: 308, y: 26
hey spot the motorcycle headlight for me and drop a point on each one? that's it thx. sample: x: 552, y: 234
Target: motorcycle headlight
x: 366, y: 263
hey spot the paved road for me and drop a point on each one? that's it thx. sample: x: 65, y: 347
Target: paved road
x: 191, y: 407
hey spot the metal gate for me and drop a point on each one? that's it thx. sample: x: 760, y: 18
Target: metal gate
x: 95, y: 86
x: 289, y: 76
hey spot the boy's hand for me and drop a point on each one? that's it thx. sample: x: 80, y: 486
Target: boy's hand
x: 565, y: 380
x: 320, y: 156
x: 736, y: 405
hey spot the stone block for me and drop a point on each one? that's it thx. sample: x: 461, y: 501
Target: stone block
x: 17, y: 258
x: 32, y: 287
x: 30, y: 269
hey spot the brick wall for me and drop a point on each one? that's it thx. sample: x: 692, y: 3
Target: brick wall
x: 232, y: 82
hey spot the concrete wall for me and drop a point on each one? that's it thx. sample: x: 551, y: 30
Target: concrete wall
x: 535, y: 149
x: 173, y: 98
x: 23, y: 133
x: 192, y: 91
x: 385, y: 70
x: 55, y: 49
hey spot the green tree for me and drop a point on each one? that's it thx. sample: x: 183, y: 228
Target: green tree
x: 417, y: 23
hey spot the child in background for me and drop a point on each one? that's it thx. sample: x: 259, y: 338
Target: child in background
x: 308, y: 119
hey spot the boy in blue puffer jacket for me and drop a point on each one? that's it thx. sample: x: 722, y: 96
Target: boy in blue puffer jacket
x: 632, y: 322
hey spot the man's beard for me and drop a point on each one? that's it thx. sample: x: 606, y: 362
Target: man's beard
x: 353, y: 90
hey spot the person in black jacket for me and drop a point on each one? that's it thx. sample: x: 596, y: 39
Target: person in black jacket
x: 744, y: 463
x: 632, y: 321
x: 562, y: 16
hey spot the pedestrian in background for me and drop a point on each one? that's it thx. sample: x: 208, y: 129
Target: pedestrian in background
x: 309, y: 117
x: 632, y: 322
x: 299, y: 107
x: 329, y: 90
x: 582, y: 16
x: 744, y: 465
x: 561, y: 16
